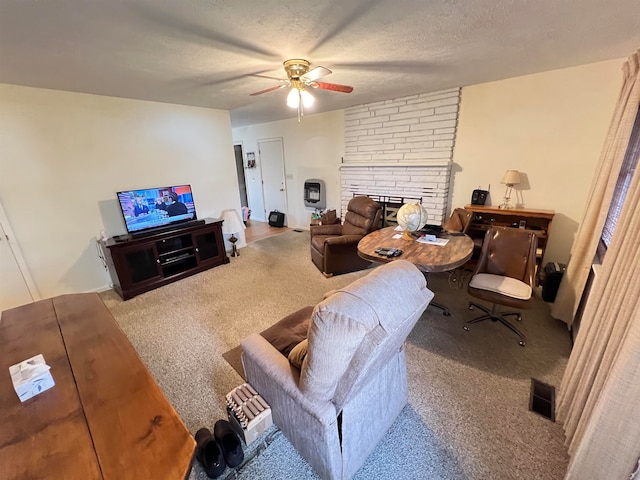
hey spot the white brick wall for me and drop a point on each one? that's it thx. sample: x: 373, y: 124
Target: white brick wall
x: 402, y: 148
x: 414, y: 128
x: 429, y: 182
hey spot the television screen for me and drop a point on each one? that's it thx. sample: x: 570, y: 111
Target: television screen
x: 156, y: 207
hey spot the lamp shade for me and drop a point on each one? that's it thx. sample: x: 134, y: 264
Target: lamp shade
x: 232, y: 223
x: 298, y: 94
x: 293, y: 99
x: 307, y: 98
x: 512, y: 177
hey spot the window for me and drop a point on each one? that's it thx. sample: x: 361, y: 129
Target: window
x: 622, y: 185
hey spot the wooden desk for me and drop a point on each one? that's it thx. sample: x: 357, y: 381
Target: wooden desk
x: 106, y: 417
x: 537, y: 220
x: 428, y: 258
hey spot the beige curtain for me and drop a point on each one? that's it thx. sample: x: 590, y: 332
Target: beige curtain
x: 599, y: 398
x: 602, y: 188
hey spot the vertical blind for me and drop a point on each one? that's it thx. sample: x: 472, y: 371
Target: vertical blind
x: 622, y: 185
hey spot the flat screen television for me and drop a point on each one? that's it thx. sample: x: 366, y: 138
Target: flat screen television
x: 156, y: 207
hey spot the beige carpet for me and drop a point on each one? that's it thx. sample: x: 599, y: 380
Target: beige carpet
x: 469, y: 391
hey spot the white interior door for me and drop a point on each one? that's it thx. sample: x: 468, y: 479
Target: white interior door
x: 273, y: 175
x: 13, y: 287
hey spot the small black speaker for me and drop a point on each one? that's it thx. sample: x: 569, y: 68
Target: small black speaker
x: 276, y: 219
x: 479, y: 197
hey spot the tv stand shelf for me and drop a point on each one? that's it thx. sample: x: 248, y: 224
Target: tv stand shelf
x: 140, y: 264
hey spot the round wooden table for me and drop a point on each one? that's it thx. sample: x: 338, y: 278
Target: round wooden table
x: 428, y: 258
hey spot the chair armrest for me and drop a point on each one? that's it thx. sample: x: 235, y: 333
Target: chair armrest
x: 343, y: 240
x: 326, y: 230
x: 531, y: 261
x: 281, y: 376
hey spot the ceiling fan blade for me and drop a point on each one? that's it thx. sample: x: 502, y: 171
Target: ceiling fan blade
x: 269, y: 77
x: 334, y: 87
x: 316, y: 73
x: 277, y: 87
x: 207, y: 81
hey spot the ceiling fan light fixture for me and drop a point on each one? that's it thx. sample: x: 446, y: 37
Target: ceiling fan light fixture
x: 293, y: 99
x: 299, y: 78
x: 297, y: 95
x: 307, y: 98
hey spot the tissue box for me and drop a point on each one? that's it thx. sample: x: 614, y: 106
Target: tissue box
x: 31, y: 377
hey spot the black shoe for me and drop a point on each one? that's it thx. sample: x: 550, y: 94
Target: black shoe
x: 209, y: 454
x: 230, y: 443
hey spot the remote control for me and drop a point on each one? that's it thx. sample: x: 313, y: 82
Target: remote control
x: 389, y: 252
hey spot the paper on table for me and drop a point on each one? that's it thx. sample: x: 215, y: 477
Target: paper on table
x: 431, y: 240
x: 397, y: 235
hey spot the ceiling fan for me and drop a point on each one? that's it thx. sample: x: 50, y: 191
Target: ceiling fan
x: 299, y: 78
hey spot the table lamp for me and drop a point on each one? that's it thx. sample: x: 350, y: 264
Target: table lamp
x: 511, y: 178
x: 232, y: 225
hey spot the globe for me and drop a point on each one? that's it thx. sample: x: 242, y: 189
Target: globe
x: 411, y: 217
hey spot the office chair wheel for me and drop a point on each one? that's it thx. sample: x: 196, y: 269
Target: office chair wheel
x: 519, y: 318
x: 465, y: 328
x: 470, y: 307
x: 521, y: 343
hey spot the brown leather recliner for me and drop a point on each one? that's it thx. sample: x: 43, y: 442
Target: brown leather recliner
x: 334, y: 248
x: 505, y: 275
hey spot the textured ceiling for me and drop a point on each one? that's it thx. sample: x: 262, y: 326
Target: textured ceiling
x: 206, y: 53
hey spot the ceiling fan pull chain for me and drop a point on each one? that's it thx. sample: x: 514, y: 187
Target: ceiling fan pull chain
x: 300, y: 106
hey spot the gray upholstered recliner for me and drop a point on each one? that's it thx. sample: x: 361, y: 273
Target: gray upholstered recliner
x: 352, y: 384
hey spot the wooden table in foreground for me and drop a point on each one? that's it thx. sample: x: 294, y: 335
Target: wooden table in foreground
x: 106, y: 417
x: 428, y: 258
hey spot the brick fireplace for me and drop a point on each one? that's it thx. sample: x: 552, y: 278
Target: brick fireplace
x: 399, y: 183
x: 401, y: 150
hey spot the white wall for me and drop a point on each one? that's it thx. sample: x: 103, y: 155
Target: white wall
x: 551, y: 126
x: 64, y: 155
x: 313, y: 148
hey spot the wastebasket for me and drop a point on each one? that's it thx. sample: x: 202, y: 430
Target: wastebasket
x: 552, y: 276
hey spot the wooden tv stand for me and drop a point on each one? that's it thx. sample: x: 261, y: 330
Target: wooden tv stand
x: 104, y: 419
x: 137, y: 265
